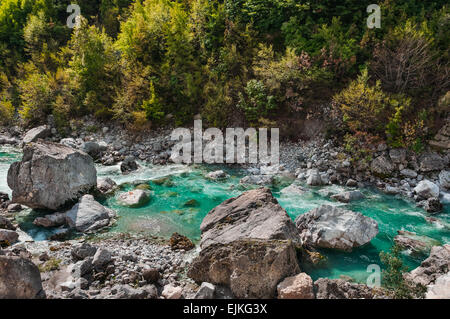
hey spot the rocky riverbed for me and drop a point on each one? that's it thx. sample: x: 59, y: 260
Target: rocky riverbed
x: 249, y: 231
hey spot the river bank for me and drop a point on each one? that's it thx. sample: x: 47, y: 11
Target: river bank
x: 318, y: 169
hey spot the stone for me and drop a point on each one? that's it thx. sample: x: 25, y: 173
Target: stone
x: 151, y: 275
x: 444, y: 179
x: 19, y: 279
x: 442, y: 138
x: 436, y: 265
x: 296, y: 287
x: 70, y: 142
x: 51, y: 176
x: 293, y: 190
x: 426, y: 189
x: 440, y: 289
x: 192, y: 203
x: 14, y: 208
x: 206, y: 291
x: 178, y: 242
x: 88, y: 215
x: 8, y: 237
x: 260, y: 180
x: 391, y: 190
x: 134, y: 199
x: 431, y: 205
x: 347, y: 197
x: 314, y: 178
x: 217, y: 175
x: 255, y: 214
x: 431, y: 162
x: 94, y: 149
x: 3, y: 197
x: 172, y: 292
x: 398, y: 155
x: 60, y: 234
x: 82, y: 268
x: 337, y: 228
x: 417, y: 245
x: 83, y: 251
x: 106, y: 185
x: 6, y: 224
x: 101, y: 259
x: 271, y: 170
x: 408, y: 173
x: 52, y: 220
x: 128, y: 165
x: 382, y: 166
x: 351, y: 183
x: 36, y: 133
x: 340, y: 289
x: 252, y: 269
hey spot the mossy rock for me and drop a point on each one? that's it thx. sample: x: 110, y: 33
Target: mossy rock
x: 192, y: 203
x: 144, y: 187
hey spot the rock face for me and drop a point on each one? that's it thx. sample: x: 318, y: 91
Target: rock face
x: 134, y: 199
x: 19, y: 279
x: 251, y: 268
x: 333, y: 227
x: 51, y: 175
x: 426, y: 189
x: 435, y: 266
x: 340, y: 289
x: 255, y: 214
x: 88, y: 215
x: 347, y: 197
x: 36, y: 133
x: 296, y: 287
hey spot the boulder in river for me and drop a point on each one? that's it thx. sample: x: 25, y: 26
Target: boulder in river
x: 334, y: 227
x: 52, y: 220
x: 418, y: 245
x: 36, y: 133
x: 88, y: 215
x: 134, y: 199
x: 217, y: 175
x: 106, y: 185
x: 257, y: 180
x: 19, y: 279
x: 426, y: 189
x: 444, y: 179
x: 128, y: 165
x: 347, y: 197
x: 50, y: 176
x: 250, y: 268
x: 293, y: 190
x: 255, y: 214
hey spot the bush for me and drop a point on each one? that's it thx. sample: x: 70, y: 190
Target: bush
x: 393, y: 276
x: 256, y: 103
x: 6, y: 113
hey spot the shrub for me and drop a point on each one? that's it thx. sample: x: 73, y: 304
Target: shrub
x: 393, y: 276
x: 6, y: 112
x: 256, y: 103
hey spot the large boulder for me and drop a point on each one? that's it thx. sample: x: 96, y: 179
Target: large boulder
x: 334, y: 227
x: 19, y: 279
x: 382, y: 166
x: 426, y: 189
x: 51, y: 176
x: 8, y: 237
x: 417, y: 245
x: 431, y: 162
x: 36, y: 133
x: 255, y: 214
x: 88, y: 215
x: 296, y: 287
x: 435, y: 266
x: 52, y: 220
x: 314, y: 178
x: 251, y: 268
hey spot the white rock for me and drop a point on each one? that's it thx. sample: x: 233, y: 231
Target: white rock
x: 426, y: 189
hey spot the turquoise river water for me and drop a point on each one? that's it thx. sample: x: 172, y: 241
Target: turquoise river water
x: 166, y: 212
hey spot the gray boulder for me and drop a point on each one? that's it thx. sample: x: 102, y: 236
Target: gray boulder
x: 51, y: 176
x: 255, y: 214
x: 88, y: 215
x: 19, y: 279
x: 260, y: 180
x: 106, y: 185
x: 431, y: 162
x: 444, y: 179
x: 314, y: 178
x: 36, y: 133
x: 217, y: 175
x: 426, y: 189
x: 340, y: 289
x: 128, y: 165
x: 398, y: 155
x: 347, y: 197
x: 135, y: 198
x: 52, y: 220
x: 6, y: 224
x: 250, y: 268
x: 382, y: 166
x: 334, y: 227
x: 206, y: 291
x: 417, y: 245
x: 408, y: 173
x: 8, y: 237
x: 293, y: 190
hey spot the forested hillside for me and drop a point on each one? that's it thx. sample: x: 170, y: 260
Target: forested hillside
x: 243, y: 62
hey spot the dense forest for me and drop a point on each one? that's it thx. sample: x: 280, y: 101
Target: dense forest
x: 150, y: 63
